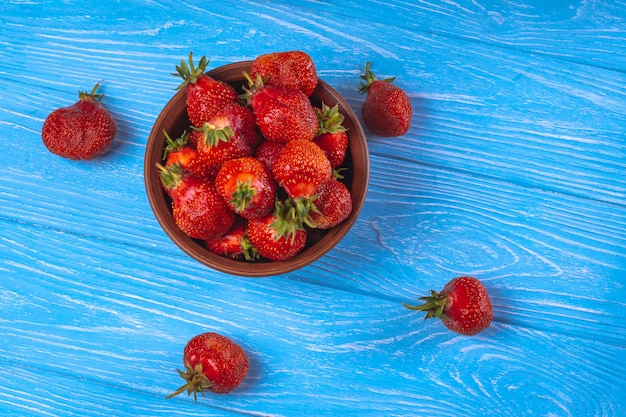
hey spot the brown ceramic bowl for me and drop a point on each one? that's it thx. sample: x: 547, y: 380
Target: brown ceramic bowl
x: 174, y: 120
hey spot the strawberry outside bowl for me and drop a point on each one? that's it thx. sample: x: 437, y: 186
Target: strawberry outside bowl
x: 174, y: 120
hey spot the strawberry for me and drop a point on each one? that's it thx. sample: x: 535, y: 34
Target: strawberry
x: 212, y: 363
x: 242, y: 119
x: 222, y: 138
x: 331, y: 136
x: 247, y: 186
x: 293, y: 69
x: 279, y: 236
x: 234, y: 243
x: 268, y: 151
x: 178, y: 151
x: 333, y: 204
x: 206, y: 96
x: 301, y: 168
x: 463, y: 306
x: 387, y: 109
x: 282, y: 114
x: 198, y: 210
x: 83, y: 130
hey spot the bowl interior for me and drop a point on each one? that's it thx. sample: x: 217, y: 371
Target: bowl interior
x: 174, y: 120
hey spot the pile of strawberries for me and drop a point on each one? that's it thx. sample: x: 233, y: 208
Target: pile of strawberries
x: 256, y: 170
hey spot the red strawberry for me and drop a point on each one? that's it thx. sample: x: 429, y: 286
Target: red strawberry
x: 387, y: 109
x: 234, y: 244
x: 263, y: 235
x: 331, y: 136
x: 247, y: 186
x: 268, y: 151
x: 212, y: 363
x: 178, y: 151
x: 188, y: 156
x: 242, y: 119
x: 293, y: 69
x: 222, y: 139
x: 206, y: 96
x: 301, y: 168
x: 279, y: 236
x: 83, y: 130
x: 198, y: 210
x: 463, y: 306
x: 282, y: 114
x: 333, y: 204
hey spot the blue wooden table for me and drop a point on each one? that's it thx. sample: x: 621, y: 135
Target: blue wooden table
x: 514, y: 171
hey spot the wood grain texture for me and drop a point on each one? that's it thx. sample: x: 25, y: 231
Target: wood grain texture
x: 575, y: 30
x: 513, y: 171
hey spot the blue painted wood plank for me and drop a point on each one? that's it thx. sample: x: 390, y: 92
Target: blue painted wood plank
x: 55, y: 394
x: 579, y: 31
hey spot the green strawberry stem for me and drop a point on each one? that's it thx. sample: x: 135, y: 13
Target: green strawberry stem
x: 433, y: 305
x: 329, y: 119
x: 248, y: 77
x: 292, y: 215
x: 370, y: 78
x: 253, y: 87
x: 285, y: 223
x: 190, y: 73
x: 196, y: 381
x: 86, y: 96
x: 303, y: 206
x: 338, y: 173
x: 243, y: 195
x: 173, y: 145
x: 250, y: 252
x: 170, y: 176
x: 213, y: 135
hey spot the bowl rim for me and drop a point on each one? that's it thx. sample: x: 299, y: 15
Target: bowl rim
x: 158, y: 201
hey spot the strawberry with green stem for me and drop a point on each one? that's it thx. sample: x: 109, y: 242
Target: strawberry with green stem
x: 280, y: 235
x: 282, y: 114
x: 463, y: 305
x: 206, y: 96
x: 178, y: 151
x: 331, y: 136
x: 300, y: 168
x: 197, y: 208
x: 83, y: 130
x: 213, y: 363
x: 387, y: 110
x: 243, y: 121
x: 234, y: 243
x: 222, y: 138
x: 247, y: 186
x: 333, y: 204
x: 290, y: 69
